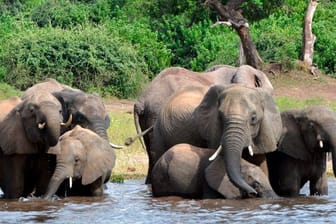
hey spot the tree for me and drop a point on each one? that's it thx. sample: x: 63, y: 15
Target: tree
x: 230, y: 15
x: 308, y: 36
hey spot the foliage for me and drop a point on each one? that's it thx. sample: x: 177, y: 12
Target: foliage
x: 139, y: 34
x: 76, y: 40
x: 90, y: 59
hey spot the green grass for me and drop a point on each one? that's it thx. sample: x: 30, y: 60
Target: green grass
x: 132, y: 162
x: 285, y: 103
x: 7, y: 91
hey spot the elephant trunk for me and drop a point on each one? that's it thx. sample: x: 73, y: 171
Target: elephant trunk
x: 233, y: 141
x: 99, y: 128
x: 332, y: 136
x: 56, y: 180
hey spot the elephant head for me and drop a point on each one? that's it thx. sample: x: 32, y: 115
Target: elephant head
x: 32, y: 126
x: 309, y: 132
x: 252, y: 77
x: 87, y: 110
x: 237, y: 118
x: 217, y: 179
x: 81, y: 154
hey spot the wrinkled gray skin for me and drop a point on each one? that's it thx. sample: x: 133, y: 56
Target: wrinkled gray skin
x: 300, y: 156
x: 149, y: 103
x: 234, y: 117
x: 26, y: 133
x: 185, y: 170
x: 85, y: 157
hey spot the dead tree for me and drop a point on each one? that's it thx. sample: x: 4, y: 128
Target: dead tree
x: 230, y: 15
x: 308, y: 37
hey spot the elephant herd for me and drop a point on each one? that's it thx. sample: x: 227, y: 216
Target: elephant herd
x: 50, y: 134
x: 212, y: 134
x: 220, y: 134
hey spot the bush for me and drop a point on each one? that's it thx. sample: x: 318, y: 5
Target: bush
x: 138, y: 33
x: 91, y: 59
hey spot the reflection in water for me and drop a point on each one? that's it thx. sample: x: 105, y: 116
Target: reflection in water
x: 132, y: 203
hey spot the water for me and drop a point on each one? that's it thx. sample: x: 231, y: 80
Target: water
x: 131, y: 202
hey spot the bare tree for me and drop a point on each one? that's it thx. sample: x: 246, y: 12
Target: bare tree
x: 308, y: 36
x: 230, y: 15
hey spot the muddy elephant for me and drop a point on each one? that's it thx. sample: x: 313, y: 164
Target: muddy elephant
x: 235, y: 117
x: 7, y: 105
x: 167, y: 82
x: 185, y: 170
x: 308, y: 135
x: 26, y: 133
x: 85, y: 159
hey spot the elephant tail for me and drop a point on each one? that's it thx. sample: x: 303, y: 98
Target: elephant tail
x: 130, y: 140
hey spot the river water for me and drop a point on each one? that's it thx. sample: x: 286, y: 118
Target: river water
x: 131, y: 202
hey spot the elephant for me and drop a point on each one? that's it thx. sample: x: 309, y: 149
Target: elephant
x: 308, y: 134
x: 26, y: 133
x: 237, y: 118
x: 48, y: 85
x: 148, y: 105
x: 185, y: 170
x: 7, y: 105
x: 82, y: 108
x: 84, y: 157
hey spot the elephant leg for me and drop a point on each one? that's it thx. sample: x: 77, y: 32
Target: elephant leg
x: 319, y: 186
x: 97, y: 187
x: 14, y: 176
x: 45, y: 166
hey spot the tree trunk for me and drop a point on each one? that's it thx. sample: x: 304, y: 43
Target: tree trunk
x: 308, y: 36
x: 234, y: 18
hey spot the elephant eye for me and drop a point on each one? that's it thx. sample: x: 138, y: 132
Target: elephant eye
x: 76, y: 159
x: 253, y: 118
x: 311, y: 125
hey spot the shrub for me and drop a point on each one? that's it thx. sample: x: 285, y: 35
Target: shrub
x: 155, y: 53
x: 90, y: 59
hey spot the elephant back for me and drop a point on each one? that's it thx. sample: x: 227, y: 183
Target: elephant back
x: 176, y: 114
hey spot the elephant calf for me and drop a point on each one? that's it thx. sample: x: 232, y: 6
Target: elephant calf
x: 85, y: 159
x: 185, y: 170
x: 308, y: 135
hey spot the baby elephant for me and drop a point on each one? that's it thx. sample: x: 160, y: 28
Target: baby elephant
x: 185, y: 170
x: 85, y: 159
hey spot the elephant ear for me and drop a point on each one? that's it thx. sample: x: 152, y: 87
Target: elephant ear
x: 218, y: 180
x: 100, y: 159
x: 13, y: 126
x: 271, y: 126
x: 206, y: 111
x: 292, y: 142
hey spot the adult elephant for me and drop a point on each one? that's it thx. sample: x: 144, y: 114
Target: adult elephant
x: 149, y: 104
x: 26, y: 133
x: 308, y: 135
x: 84, y: 157
x: 234, y: 117
x: 185, y: 170
x: 85, y: 109
x: 48, y: 85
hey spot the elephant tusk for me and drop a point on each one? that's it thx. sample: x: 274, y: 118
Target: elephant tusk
x: 68, y: 123
x: 250, y: 150
x: 216, y: 153
x: 41, y: 125
x: 70, y: 182
x: 116, y: 146
x: 321, y: 144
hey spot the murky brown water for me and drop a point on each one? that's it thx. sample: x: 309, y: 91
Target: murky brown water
x: 132, y: 203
